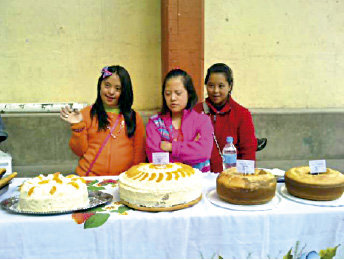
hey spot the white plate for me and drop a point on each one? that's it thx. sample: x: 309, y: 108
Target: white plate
x: 214, y: 199
x: 332, y: 203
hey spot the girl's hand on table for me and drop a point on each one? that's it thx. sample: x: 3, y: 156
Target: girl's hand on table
x: 71, y: 116
x: 197, y: 137
x: 166, y: 146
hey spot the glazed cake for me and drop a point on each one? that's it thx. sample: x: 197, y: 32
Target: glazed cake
x: 323, y: 186
x: 53, y: 193
x: 246, y: 189
x: 151, y: 187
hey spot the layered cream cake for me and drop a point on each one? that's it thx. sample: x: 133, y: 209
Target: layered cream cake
x: 246, y: 189
x: 53, y: 192
x: 147, y: 186
x: 323, y: 186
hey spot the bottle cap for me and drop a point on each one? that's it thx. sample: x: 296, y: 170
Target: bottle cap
x: 229, y: 139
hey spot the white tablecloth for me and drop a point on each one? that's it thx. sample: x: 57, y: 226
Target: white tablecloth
x: 201, y: 231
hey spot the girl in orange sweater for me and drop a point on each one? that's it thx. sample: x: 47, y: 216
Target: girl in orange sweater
x: 109, y: 136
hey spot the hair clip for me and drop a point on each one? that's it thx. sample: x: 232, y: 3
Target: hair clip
x: 106, y: 72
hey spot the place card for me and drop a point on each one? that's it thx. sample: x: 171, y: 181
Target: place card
x: 161, y: 158
x: 245, y: 166
x: 317, y: 166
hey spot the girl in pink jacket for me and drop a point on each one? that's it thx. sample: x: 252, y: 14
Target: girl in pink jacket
x: 177, y: 129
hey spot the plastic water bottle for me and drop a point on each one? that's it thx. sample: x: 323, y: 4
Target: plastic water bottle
x: 229, y: 154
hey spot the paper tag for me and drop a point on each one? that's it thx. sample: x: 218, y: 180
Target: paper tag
x: 161, y: 158
x: 245, y: 166
x: 317, y: 166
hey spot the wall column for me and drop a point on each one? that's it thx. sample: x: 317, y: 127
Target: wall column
x: 182, y: 39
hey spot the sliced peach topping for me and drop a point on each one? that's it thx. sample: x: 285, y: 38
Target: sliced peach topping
x: 144, y: 176
x: 82, y: 180
x: 76, y: 179
x: 44, y: 182
x: 169, y: 176
x: 138, y: 176
x: 52, y: 190
x: 31, y: 191
x: 176, y: 174
x: 189, y: 172
x: 161, y: 177
x: 72, y: 176
x: 57, y: 177
x: 152, y: 177
x: 133, y: 171
x: 74, y: 184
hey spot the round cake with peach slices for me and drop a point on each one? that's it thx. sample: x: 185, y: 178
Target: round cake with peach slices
x: 153, y: 187
x: 53, y: 192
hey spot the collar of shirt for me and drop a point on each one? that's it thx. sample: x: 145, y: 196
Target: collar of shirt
x: 225, y: 109
x: 115, y: 110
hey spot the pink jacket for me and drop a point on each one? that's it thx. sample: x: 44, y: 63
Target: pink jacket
x: 188, y: 151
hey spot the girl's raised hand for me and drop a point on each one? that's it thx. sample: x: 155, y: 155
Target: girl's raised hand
x: 71, y: 116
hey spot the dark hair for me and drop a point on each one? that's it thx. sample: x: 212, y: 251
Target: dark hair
x: 220, y: 68
x: 187, y: 82
x: 125, y: 101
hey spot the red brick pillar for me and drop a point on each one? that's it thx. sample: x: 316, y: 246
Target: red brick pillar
x: 182, y: 39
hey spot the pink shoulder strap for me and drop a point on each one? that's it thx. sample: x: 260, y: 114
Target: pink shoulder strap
x: 103, y: 145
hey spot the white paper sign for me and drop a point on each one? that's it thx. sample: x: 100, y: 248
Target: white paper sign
x: 317, y: 166
x: 245, y: 166
x: 161, y: 158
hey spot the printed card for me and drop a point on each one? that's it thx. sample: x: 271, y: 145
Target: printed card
x: 245, y: 166
x: 317, y: 166
x: 161, y: 158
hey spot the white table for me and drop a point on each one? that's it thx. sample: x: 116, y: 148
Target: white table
x: 202, y: 231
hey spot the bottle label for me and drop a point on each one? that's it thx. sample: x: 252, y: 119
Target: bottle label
x: 229, y: 158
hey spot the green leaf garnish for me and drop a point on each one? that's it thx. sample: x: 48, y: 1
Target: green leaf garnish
x: 96, y: 220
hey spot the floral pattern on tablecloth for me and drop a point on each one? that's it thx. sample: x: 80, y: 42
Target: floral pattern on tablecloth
x: 296, y: 252
x: 98, y: 216
x: 301, y: 253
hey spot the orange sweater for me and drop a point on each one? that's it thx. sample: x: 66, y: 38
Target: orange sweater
x: 119, y: 153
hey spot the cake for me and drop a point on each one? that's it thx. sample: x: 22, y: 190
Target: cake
x: 152, y: 187
x: 246, y: 189
x: 323, y: 186
x: 53, y: 192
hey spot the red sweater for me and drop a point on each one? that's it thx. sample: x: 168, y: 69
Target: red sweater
x: 232, y: 120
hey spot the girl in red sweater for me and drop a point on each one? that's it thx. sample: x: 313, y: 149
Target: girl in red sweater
x: 109, y: 135
x: 227, y: 116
